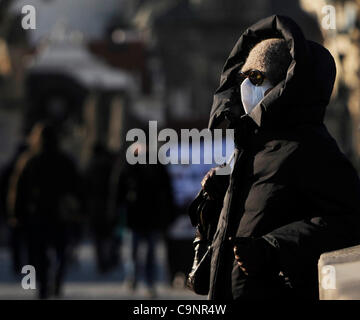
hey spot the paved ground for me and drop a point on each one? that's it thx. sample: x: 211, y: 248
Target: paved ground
x: 98, y: 291
x: 83, y: 282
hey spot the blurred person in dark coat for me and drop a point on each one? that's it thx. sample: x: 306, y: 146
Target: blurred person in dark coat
x: 43, y: 197
x: 292, y: 194
x: 145, y: 192
x: 16, y: 232
x: 102, y: 218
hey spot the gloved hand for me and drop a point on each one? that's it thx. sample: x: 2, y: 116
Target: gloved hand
x: 255, y: 256
x: 215, y: 185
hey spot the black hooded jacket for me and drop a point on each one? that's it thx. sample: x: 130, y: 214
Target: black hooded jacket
x: 290, y: 184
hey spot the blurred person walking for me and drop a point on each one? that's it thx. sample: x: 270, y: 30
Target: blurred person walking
x: 44, y: 198
x: 103, y: 219
x: 16, y: 232
x: 145, y: 192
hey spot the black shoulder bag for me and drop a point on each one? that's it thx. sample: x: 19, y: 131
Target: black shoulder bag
x: 204, y: 214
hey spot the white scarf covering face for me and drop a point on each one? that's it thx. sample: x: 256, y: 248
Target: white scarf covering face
x: 251, y: 94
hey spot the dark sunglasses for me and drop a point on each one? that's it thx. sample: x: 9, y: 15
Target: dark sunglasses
x: 255, y: 76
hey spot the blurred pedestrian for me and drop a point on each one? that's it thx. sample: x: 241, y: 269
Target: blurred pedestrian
x: 43, y: 197
x: 146, y: 193
x: 102, y: 216
x: 16, y: 232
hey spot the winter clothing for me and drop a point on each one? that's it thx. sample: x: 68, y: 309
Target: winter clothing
x: 44, y: 199
x: 103, y: 217
x: 145, y: 192
x: 270, y: 56
x: 290, y: 184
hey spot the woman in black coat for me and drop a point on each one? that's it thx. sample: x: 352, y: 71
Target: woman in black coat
x: 292, y: 194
